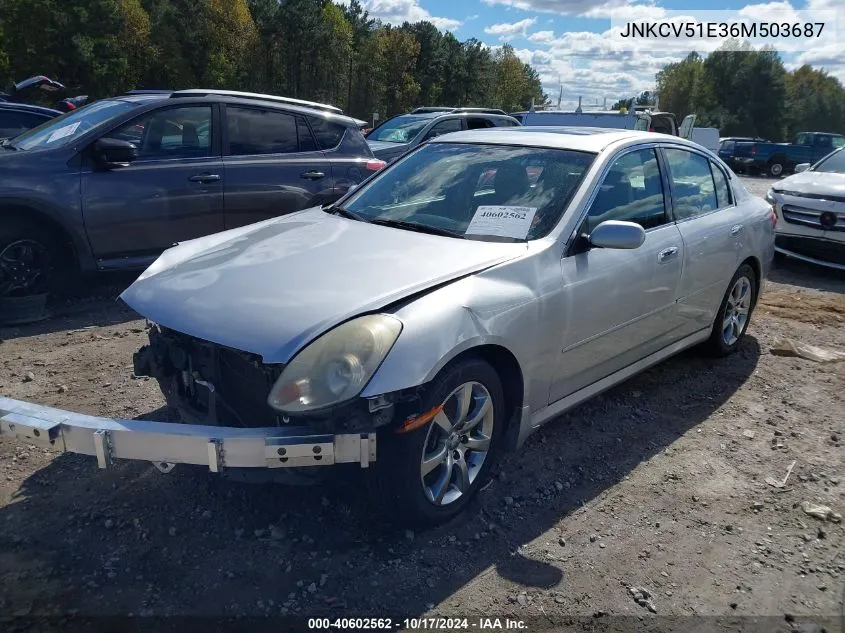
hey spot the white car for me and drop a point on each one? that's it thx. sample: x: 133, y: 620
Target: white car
x: 810, y: 206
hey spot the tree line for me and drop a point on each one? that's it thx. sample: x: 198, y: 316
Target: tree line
x: 308, y: 49
x: 748, y: 92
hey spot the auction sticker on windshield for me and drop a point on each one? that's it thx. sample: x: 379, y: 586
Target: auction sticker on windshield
x: 502, y: 221
x: 62, y: 132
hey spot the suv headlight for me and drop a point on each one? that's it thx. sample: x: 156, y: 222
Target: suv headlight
x: 770, y: 197
x: 336, y: 366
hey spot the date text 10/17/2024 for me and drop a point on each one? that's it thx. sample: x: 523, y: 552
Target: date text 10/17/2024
x: 417, y: 624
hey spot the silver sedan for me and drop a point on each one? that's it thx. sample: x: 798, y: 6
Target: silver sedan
x: 446, y: 309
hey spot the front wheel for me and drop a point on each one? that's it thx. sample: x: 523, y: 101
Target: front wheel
x: 28, y: 259
x: 734, y: 313
x: 428, y: 475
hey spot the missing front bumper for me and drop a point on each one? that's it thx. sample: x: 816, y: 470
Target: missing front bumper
x: 166, y: 443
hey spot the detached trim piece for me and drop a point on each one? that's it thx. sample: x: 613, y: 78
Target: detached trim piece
x: 217, y: 447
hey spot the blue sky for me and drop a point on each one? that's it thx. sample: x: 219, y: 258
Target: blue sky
x: 567, y: 40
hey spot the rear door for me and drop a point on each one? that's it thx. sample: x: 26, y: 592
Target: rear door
x: 172, y: 192
x: 712, y: 228
x: 347, y: 152
x: 272, y: 164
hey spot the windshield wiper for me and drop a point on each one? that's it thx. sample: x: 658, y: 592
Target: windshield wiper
x: 334, y: 209
x: 419, y: 228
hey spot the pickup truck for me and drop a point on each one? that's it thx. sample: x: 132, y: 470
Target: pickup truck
x: 776, y: 158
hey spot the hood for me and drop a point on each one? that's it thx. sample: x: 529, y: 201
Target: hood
x: 815, y: 182
x: 270, y: 288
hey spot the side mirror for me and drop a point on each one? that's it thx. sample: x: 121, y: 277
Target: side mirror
x: 802, y: 167
x: 112, y: 153
x: 617, y: 234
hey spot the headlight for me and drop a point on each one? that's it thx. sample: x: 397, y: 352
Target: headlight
x: 337, y: 366
x: 770, y: 196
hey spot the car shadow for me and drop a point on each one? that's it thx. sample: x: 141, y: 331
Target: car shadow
x: 132, y: 540
x: 91, y: 303
x: 788, y: 270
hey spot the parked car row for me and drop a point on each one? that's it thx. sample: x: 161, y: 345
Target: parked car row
x: 753, y: 155
x: 112, y: 185
x: 442, y: 311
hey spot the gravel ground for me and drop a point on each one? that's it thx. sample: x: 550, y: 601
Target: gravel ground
x: 650, y: 498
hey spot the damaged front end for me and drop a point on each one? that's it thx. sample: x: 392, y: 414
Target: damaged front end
x: 216, y: 385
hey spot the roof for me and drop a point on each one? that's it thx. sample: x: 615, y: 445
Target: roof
x: 26, y: 107
x: 201, y: 92
x: 584, y: 139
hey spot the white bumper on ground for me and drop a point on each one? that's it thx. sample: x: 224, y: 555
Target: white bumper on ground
x: 168, y: 443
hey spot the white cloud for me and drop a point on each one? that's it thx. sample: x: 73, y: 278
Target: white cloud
x: 770, y: 12
x: 508, y: 30
x: 563, y: 7
x: 399, y: 11
x: 627, y: 12
x: 542, y: 36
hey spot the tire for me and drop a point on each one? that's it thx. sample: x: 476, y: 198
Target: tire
x: 720, y: 342
x: 31, y: 259
x: 407, y: 496
x: 776, y: 168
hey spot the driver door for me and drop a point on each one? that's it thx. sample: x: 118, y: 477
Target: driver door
x: 172, y: 192
x: 621, y: 303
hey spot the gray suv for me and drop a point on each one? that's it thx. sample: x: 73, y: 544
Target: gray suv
x: 113, y: 184
x: 396, y: 136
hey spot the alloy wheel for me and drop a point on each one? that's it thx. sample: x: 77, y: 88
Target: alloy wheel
x: 24, y: 268
x: 737, y: 309
x: 457, y: 444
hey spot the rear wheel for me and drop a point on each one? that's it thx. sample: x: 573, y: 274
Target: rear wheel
x: 776, y: 167
x: 734, y: 313
x: 428, y: 475
x: 29, y: 259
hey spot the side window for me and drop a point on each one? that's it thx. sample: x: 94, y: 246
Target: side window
x: 328, y: 132
x: 254, y: 131
x: 728, y: 146
x: 444, y: 127
x: 692, y: 183
x: 632, y: 191
x: 478, y: 124
x: 838, y: 141
x: 723, y: 192
x: 169, y: 133
x: 802, y: 139
x: 306, y: 139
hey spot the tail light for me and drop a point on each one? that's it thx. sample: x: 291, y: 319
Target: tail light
x: 651, y: 129
x: 375, y: 164
x: 753, y: 150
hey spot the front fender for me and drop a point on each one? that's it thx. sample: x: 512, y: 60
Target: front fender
x: 499, y: 306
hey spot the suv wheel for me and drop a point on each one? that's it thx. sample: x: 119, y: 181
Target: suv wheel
x: 29, y: 259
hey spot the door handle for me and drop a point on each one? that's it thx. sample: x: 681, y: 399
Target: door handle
x: 737, y: 229
x: 312, y: 175
x: 667, y: 253
x: 204, y: 178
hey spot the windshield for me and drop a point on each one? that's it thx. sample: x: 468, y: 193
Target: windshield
x: 833, y: 163
x: 488, y: 192
x: 66, y: 128
x: 400, y: 129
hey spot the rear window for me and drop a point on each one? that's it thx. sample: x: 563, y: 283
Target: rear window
x: 328, y: 133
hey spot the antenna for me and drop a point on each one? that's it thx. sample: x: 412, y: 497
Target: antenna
x: 579, y: 110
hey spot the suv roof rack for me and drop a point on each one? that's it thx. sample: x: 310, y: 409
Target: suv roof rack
x: 425, y: 109
x: 145, y: 91
x: 480, y: 110
x: 200, y: 92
